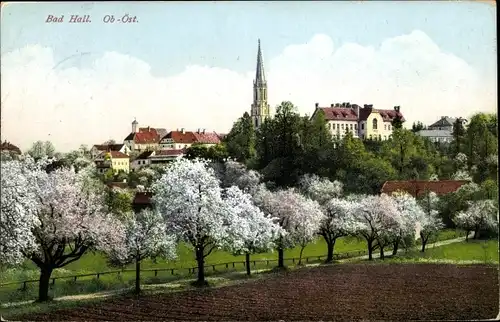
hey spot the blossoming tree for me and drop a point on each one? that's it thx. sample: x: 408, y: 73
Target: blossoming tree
x: 411, y: 214
x: 338, y: 220
x: 252, y: 231
x: 378, y: 221
x: 18, y: 205
x: 481, y: 214
x: 146, y: 237
x: 72, y: 220
x: 297, y: 215
x: 189, y: 197
x: 430, y: 222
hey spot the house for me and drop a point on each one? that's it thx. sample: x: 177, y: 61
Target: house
x: 156, y: 157
x: 142, y: 139
x: 115, y: 160
x: 178, y: 140
x: 208, y: 139
x: 97, y: 149
x: 9, y: 147
x: 440, y: 131
x: 417, y: 188
x: 363, y: 122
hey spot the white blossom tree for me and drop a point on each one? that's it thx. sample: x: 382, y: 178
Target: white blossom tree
x: 378, y: 221
x: 189, y: 197
x: 338, y: 220
x: 146, y: 237
x: 411, y: 213
x: 232, y: 173
x: 72, y: 220
x: 430, y: 222
x: 252, y: 231
x: 18, y: 206
x: 481, y: 214
x: 290, y: 208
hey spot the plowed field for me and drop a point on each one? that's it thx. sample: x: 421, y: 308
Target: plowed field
x: 343, y: 292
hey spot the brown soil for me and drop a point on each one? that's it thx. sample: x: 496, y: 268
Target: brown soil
x: 343, y: 292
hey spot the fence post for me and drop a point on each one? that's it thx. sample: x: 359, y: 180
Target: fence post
x: 76, y: 278
x: 172, y: 271
x: 233, y: 264
x: 253, y: 263
x: 227, y: 265
x: 213, y: 268
x: 98, y: 275
x: 156, y: 272
x: 293, y: 260
x: 267, y: 262
x: 307, y: 259
x: 24, y: 286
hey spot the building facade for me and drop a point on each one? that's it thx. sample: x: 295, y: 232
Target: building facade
x: 142, y: 139
x: 440, y: 131
x: 362, y: 122
x: 260, y: 108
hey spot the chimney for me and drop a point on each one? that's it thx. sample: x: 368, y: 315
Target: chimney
x: 348, y: 104
x: 317, y: 105
x: 331, y: 105
x: 396, y: 108
x: 149, y: 129
x: 135, y: 126
x: 203, y: 131
x: 355, y: 108
x: 199, y: 130
x: 337, y: 104
x: 182, y: 130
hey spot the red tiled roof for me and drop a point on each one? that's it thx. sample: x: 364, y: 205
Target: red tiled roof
x: 108, y: 147
x: 418, y: 187
x: 389, y: 115
x: 207, y: 138
x: 179, y: 137
x: 142, y: 198
x: 339, y: 113
x: 118, y: 155
x: 169, y: 152
x: 7, y: 146
x: 145, y: 135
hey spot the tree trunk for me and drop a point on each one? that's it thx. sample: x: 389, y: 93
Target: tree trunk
x: 382, y: 253
x: 476, y: 233
x: 43, y: 285
x: 300, y: 255
x: 395, y: 247
x: 467, y: 235
x: 424, y: 243
x: 201, y: 266
x: 330, y: 245
x: 281, y: 261
x: 137, y: 275
x: 247, y: 260
x: 370, y: 249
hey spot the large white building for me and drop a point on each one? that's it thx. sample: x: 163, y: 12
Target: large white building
x: 363, y: 122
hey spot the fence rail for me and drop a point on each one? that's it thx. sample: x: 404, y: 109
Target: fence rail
x: 192, y: 270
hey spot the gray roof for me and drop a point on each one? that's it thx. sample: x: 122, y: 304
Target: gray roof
x: 444, y: 121
x: 435, y: 133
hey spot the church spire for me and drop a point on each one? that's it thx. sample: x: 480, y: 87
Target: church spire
x: 260, y: 108
x: 260, y: 77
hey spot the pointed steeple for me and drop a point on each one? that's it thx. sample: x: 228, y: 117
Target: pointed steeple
x: 260, y: 77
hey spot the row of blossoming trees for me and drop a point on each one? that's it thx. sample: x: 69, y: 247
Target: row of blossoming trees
x: 53, y: 216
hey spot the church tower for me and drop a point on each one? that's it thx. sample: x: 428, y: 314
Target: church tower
x: 260, y: 108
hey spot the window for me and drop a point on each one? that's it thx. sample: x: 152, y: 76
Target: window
x: 385, y: 137
x: 380, y: 137
x: 342, y: 126
x: 355, y: 126
x: 374, y: 124
x: 385, y: 126
x: 329, y: 125
x: 362, y: 126
x: 334, y: 126
x: 389, y: 127
x: 350, y: 126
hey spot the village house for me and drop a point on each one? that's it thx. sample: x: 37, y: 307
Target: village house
x: 178, y: 140
x: 417, y: 188
x: 115, y: 160
x: 440, y: 131
x: 97, y: 149
x: 363, y: 122
x: 148, y: 158
x: 143, y: 139
x: 10, y: 148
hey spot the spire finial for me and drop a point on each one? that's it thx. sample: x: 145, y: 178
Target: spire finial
x: 259, y: 75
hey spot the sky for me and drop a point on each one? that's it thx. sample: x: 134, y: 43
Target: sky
x: 191, y: 64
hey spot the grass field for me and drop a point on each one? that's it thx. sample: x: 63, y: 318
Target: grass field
x: 95, y: 262
x: 477, y: 251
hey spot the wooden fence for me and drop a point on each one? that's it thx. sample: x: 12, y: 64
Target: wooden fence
x: 192, y: 270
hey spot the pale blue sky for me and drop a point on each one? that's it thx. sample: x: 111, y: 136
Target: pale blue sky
x: 190, y: 64
x: 172, y: 35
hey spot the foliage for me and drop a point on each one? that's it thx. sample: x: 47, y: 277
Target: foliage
x: 41, y: 149
x: 240, y: 141
x: 481, y: 214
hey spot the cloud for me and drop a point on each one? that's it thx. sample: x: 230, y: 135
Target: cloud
x: 88, y: 103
